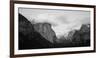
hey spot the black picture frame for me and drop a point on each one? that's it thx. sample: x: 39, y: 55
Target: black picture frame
x: 12, y: 27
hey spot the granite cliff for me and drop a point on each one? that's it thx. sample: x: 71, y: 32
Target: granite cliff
x: 46, y: 31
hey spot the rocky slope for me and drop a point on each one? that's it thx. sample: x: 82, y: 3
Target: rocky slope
x: 29, y: 38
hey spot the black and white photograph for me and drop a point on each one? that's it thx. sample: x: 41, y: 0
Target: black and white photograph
x: 41, y: 28
x: 49, y: 28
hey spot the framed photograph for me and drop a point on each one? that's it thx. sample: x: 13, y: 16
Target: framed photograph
x: 41, y: 28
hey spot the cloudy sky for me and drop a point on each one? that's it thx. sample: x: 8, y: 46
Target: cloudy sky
x: 62, y: 21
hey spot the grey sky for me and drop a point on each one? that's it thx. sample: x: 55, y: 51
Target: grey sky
x: 62, y: 21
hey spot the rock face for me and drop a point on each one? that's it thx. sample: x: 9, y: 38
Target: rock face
x: 29, y: 38
x: 77, y: 38
x: 82, y: 37
x: 46, y: 31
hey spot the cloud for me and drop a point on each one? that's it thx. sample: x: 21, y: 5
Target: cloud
x: 62, y: 21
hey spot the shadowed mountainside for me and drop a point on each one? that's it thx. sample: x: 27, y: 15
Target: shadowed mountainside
x: 28, y: 37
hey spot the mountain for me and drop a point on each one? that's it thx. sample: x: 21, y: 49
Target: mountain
x: 82, y: 37
x: 29, y: 37
x: 46, y: 31
x: 76, y: 38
